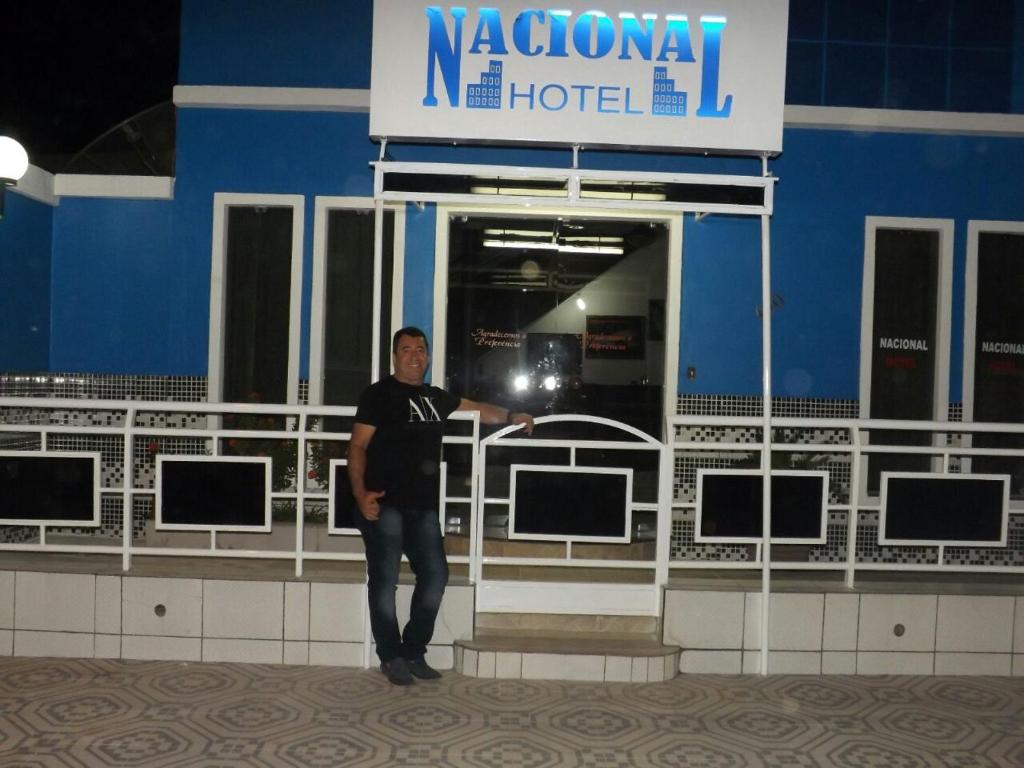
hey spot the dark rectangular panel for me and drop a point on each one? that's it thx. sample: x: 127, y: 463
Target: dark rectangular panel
x: 730, y: 506
x: 943, y: 509
x: 343, y: 503
x: 999, y: 351
x: 48, y: 489
x: 571, y: 504
x: 213, y: 493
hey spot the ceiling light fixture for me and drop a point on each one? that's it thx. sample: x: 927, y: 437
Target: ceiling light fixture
x: 561, y: 248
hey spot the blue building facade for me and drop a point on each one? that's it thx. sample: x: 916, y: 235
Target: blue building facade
x: 109, y: 285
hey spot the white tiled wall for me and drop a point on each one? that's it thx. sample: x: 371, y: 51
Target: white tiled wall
x: 973, y: 663
x: 6, y: 599
x: 184, y: 619
x: 703, y: 619
x: 553, y: 666
x: 959, y: 619
x: 795, y: 622
x: 838, y: 663
x: 783, y: 662
x: 897, y: 623
x: 711, y: 662
x: 1018, y: 626
x: 842, y: 613
x: 67, y: 644
x: 59, y: 614
x: 155, y: 648
x: 848, y: 633
x: 108, y: 605
x: 337, y: 612
x: 247, y: 651
x: 162, y: 607
x: 54, y: 602
x: 253, y: 610
x: 296, y: 612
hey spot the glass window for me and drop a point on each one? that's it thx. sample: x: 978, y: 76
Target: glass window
x: 906, y: 350
x: 257, y: 298
x: 348, y: 303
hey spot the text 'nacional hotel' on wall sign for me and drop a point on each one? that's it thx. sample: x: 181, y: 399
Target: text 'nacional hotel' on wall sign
x: 672, y: 74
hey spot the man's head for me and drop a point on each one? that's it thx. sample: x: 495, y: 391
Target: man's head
x: 410, y: 354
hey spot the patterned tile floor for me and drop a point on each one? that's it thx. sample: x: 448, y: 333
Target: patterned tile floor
x: 85, y: 713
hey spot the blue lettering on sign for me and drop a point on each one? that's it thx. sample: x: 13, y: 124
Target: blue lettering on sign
x: 677, y: 39
x: 593, y: 35
x: 489, y: 25
x: 713, y: 26
x: 582, y: 37
x: 445, y: 52
x: 641, y: 37
x: 528, y: 95
x: 559, y: 29
x: 556, y: 102
x: 521, y: 31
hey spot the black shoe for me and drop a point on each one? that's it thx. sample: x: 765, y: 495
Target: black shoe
x: 397, y: 671
x: 419, y: 668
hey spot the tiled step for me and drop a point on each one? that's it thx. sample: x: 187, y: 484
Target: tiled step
x: 598, y: 657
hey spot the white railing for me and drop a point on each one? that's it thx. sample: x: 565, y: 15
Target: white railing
x: 136, y: 431
x: 129, y: 434
x: 842, y: 447
x: 553, y: 434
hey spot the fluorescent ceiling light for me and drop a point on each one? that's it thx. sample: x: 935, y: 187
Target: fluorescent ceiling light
x: 601, y: 190
x: 594, y: 239
x: 531, y: 245
x: 518, y: 191
x: 520, y: 232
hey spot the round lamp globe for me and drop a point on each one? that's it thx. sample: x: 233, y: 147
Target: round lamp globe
x: 13, y: 160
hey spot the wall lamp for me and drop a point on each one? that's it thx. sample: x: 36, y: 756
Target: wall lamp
x: 13, y: 165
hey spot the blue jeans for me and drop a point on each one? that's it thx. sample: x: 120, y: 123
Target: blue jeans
x: 417, y: 534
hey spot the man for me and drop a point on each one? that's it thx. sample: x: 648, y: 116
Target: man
x: 394, y: 461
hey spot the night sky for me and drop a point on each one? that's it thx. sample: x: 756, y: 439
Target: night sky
x: 75, y: 69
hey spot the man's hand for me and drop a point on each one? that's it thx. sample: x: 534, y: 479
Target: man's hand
x: 369, y: 505
x: 522, y: 418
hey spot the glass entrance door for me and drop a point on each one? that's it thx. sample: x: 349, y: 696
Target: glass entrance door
x: 559, y: 314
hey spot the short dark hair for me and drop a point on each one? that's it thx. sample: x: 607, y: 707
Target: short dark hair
x: 409, y: 330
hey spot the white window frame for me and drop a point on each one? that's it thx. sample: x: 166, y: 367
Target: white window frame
x: 215, y: 366
x: 322, y: 206
x: 672, y: 220
x: 940, y: 408
x: 975, y: 227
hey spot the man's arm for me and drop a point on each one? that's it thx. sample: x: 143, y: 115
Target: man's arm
x: 495, y: 414
x: 367, y: 501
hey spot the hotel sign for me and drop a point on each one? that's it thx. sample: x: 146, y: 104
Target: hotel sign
x: 677, y: 74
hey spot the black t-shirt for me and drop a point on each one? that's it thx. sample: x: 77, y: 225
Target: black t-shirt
x: 403, y: 458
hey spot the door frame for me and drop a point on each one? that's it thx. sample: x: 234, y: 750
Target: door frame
x: 673, y: 222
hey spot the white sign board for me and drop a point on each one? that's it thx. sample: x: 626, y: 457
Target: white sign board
x: 677, y: 74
